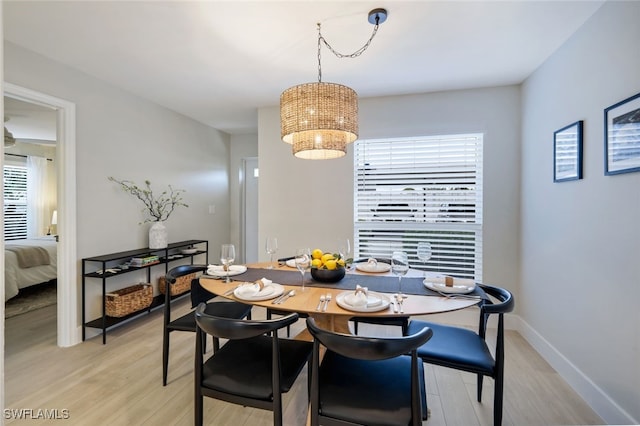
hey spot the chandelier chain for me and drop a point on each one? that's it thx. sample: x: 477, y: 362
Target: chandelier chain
x: 355, y: 54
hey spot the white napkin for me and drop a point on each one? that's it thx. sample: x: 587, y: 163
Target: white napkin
x: 358, y: 298
x: 372, y: 262
x: 252, y: 289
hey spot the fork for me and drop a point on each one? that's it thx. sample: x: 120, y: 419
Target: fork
x: 327, y: 299
x: 458, y: 296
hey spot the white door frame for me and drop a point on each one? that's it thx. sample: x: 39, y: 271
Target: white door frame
x: 245, y: 212
x: 69, y: 333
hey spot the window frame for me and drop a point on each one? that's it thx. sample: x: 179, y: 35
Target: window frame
x: 432, y: 188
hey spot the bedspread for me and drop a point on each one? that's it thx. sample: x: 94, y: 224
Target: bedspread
x: 16, y: 277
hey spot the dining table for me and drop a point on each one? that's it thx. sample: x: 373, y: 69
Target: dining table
x: 336, y: 313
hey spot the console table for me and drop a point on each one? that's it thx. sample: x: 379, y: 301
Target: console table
x: 101, y: 268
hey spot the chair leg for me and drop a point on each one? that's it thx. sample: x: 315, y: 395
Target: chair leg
x: 165, y: 356
x: 198, y: 409
x: 216, y: 344
x: 497, y: 400
x: 355, y: 327
x: 479, y: 388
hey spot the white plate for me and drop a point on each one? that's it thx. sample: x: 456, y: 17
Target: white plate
x: 218, y: 270
x: 442, y: 287
x: 373, y: 267
x: 188, y: 251
x: 269, y: 291
x: 381, y: 302
x: 291, y: 263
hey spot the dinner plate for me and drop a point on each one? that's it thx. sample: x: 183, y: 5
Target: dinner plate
x: 380, y: 302
x: 291, y: 263
x: 373, y: 267
x: 218, y: 270
x: 442, y: 287
x: 269, y: 291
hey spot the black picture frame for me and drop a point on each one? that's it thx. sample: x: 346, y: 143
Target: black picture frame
x: 567, y: 152
x: 622, y: 137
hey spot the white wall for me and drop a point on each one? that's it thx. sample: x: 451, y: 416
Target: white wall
x: 242, y: 146
x: 310, y: 203
x: 580, y: 280
x: 121, y: 135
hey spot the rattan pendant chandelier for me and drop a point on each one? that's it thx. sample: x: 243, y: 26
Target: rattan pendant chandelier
x: 320, y: 119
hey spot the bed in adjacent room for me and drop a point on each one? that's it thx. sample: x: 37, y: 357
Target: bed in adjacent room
x: 29, y: 262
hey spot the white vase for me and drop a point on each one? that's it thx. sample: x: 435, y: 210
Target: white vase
x: 157, y: 236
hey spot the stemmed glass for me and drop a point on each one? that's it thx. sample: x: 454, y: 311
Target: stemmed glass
x: 399, y: 267
x: 271, y: 247
x: 424, y: 253
x: 344, y: 249
x: 303, y: 261
x: 227, y: 256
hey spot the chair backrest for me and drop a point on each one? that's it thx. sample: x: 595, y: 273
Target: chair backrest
x: 505, y: 298
x: 228, y: 328
x: 368, y: 348
x: 170, y: 279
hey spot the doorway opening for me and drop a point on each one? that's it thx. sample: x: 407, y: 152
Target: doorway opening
x: 68, y: 330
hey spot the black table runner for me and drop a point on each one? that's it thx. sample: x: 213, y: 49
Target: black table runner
x: 380, y: 283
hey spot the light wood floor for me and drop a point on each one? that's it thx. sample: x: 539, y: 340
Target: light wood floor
x: 121, y: 383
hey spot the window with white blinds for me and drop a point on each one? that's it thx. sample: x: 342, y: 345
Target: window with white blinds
x: 421, y: 189
x: 15, y: 202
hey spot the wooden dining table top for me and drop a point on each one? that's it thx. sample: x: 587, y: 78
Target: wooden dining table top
x: 306, y: 301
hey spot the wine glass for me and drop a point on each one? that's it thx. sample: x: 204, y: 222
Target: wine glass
x: 271, y: 247
x: 344, y: 249
x: 303, y: 261
x: 400, y: 267
x: 424, y: 253
x: 227, y: 256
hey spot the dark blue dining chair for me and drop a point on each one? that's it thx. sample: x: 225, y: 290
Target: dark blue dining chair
x: 367, y: 380
x: 466, y: 350
x: 254, y: 368
x: 187, y: 322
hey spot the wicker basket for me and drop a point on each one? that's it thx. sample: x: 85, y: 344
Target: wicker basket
x: 128, y: 300
x: 182, y: 285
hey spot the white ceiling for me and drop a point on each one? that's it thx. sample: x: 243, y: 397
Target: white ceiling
x: 218, y: 61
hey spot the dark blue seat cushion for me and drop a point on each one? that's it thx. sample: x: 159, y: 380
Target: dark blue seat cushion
x: 455, y: 347
x: 368, y: 392
x: 243, y: 367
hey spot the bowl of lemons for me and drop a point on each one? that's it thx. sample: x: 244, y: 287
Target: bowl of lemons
x: 327, y: 267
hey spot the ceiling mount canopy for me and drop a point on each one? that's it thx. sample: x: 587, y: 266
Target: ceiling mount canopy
x: 320, y: 119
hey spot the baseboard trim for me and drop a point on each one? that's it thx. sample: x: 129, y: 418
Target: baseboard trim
x: 597, y: 399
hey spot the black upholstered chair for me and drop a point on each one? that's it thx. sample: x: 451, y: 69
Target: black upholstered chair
x: 254, y: 368
x: 367, y: 380
x: 187, y: 322
x: 464, y: 349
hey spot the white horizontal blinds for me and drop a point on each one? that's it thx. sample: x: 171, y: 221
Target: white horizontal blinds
x: 15, y: 202
x: 421, y: 189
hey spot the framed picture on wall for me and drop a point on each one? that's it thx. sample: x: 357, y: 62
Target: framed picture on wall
x: 622, y: 137
x: 567, y: 153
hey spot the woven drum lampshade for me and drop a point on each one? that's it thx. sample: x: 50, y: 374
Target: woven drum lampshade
x: 319, y: 119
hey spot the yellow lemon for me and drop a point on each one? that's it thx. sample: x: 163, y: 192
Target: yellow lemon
x: 341, y: 262
x: 331, y: 264
x: 316, y: 263
x: 326, y: 257
x: 316, y: 254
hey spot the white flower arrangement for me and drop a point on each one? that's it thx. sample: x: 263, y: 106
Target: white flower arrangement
x: 156, y: 209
